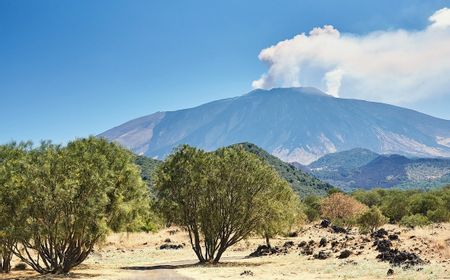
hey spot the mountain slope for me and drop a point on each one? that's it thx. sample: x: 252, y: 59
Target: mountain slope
x: 294, y: 124
x: 302, y: 183
x: 382, y: 171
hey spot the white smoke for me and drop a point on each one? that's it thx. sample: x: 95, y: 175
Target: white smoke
x: 396, y: 66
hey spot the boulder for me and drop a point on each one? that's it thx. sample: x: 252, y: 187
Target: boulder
x: 325, y: 223
x: 344, y: 254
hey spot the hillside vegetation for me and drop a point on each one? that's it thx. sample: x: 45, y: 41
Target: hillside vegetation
x: 303, y: 183
x: 360, y: 168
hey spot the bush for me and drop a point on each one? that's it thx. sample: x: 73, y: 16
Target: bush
x: 221, y: 197
x: 440, y: 215
x: 395, y: 205
x: 312, y: 207
x: 341, y: 208
x: 413, y: 221
x: 371, y: 220
x: 369, y: 198
x: 20, y: 266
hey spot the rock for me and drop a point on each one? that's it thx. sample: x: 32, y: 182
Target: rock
x: 382, y: 245
x: 393, y: 237
x: 325, y: 223
x: 322, y: 255
x: 167, y: 240
x: 337, y: 229
x: 398, y: 258
x: 247, y: 273
x: 293, y: 234
x: 323, y: 242
x: 390, y: 272
x: 344, y: 254
x: 264, y: 250
x: 381, y: 233
x: 288, y: 244
x: 334, y: 244
x: 311, y: 242
x: 302, y: 244
x: 168, y: 246
x: 307, y: 250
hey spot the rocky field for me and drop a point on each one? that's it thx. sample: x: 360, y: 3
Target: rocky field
x: 317, y: 251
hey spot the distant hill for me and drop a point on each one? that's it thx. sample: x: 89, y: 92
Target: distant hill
x: 302, y: 183
x: 295, y: 124
x: 346, y: 160
x: 360, y: 168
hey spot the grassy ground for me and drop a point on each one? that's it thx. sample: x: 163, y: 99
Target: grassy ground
x: 122, y: 255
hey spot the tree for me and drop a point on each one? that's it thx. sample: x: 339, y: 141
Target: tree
x: 219, y: 197
x: 395, y: 205
x: 369, y: 198
x: 12, y: 199
x: 371, y: 220
x: 341, y: 208
x: 78, y: 194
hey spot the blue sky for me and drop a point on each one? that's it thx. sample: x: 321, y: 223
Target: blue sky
x: 76, y: 68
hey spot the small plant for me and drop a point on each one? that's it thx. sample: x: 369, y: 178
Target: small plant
x: 20, y: 266
x: 371, y: 220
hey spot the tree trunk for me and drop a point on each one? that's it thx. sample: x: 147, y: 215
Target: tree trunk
x: 5, y: 263
x: 267, y: 240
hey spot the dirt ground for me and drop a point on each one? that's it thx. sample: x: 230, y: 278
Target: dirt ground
x: 137, y: 256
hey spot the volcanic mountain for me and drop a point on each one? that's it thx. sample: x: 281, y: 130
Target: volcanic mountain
x: 294, y: 124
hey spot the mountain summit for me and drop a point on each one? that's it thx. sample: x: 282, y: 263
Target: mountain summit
x: 294, y: 124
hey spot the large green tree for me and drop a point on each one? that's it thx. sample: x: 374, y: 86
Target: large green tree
x: 77, y: 194
x: 12, y: 199
x: 219, y: 197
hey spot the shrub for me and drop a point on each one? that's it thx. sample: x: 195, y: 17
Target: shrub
x: 341, y: 208
x: 220, y: 197
x: 440, y: 215
x: 413, y: 221
x: 395, y: 206
x: 371, y: 220
x: 369, y: 198
x: 312, y: 207
x: 20, y: 266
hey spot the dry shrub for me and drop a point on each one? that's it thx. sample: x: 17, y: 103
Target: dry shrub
x: 341, y: 208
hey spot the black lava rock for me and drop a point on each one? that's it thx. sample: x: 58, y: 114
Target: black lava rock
x: 323, y: 242
x: 344, y: 254
x: 325, y: 223
x: 322, y: 255
x: 171, y: 246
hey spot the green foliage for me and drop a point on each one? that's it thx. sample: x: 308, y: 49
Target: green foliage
x: 312, y: 207
x: 221, y: 197
x: 301, y: 182
x: 71, y: 197
x: 369, y: 198
x: 413, y: 221
x: 440, y: 215
x: 371, y: 220
x: 12, y: 199
x: 148, y: 167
